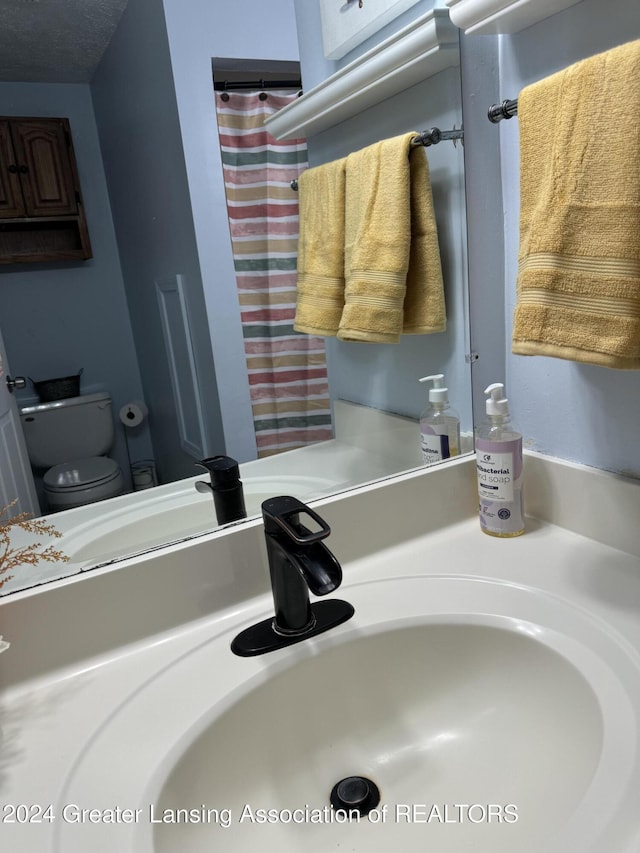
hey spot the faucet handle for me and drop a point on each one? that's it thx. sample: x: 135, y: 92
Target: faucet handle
x: 224, y: 470
x: 283, y: 513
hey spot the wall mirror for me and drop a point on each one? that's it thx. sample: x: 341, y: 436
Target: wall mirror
x: 146, y: 140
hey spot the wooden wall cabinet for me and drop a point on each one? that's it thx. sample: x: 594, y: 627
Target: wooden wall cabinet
x: 41, y: 211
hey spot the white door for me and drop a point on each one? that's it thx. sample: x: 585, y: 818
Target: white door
x: 16, y: 479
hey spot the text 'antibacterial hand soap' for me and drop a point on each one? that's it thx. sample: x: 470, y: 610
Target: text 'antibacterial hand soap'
x: 499, y: 463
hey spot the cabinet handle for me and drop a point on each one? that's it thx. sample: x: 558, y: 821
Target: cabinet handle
x: 13, y: 168
x: 23, y: 170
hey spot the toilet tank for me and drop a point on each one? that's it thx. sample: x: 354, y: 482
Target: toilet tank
x: 75, y: 428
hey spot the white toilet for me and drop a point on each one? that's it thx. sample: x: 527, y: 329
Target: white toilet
x: 69, y: 438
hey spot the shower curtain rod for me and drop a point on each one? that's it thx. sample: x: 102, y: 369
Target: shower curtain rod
x: 230, y: 85
x: 428, y: 137
x: 507, y: 109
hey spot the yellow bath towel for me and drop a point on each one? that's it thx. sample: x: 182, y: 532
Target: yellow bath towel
x: 320, y: 287
x: 578, y: 289
x: 393, y: 275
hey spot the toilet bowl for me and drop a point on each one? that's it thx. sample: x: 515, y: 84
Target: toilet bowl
x: 68, y: 440
x: 82, y: 481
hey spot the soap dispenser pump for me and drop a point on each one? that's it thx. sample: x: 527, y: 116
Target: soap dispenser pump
x: 439, y: 424
x: 500, y: 470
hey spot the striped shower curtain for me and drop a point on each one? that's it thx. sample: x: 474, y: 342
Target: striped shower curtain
x: 287, y: 370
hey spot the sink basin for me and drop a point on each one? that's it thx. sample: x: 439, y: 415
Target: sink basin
x: 440, y: 714
x: 491, y: 717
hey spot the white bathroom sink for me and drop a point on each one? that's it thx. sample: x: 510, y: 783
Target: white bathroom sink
x: 439, y: 714
x: 158, y: 517
x: 492, y: 718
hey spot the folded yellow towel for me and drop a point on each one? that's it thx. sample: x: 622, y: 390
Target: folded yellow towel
x: 320, y: 287
x: 424, y: 306
x: 578, y: 289
x: 393, y: 276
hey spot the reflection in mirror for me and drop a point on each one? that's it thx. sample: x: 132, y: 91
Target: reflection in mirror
x: 154, y: 319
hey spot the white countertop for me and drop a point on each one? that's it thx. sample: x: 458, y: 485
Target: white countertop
x: 56, y: 707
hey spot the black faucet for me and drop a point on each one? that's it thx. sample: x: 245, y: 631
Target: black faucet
x: 225, y: 486
x: 298, y: 562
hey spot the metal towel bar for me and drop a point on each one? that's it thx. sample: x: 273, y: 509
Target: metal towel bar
x: 428, y: 137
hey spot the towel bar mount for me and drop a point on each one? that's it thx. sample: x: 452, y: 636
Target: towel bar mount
x: 505, y: 109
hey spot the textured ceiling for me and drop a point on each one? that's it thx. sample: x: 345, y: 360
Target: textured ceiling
x: 55, y: 41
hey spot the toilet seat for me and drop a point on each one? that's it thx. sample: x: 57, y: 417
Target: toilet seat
x: 81, y: 473
x: 82, y: 481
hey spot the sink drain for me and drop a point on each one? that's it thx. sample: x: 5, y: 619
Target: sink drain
x: 355, y: 793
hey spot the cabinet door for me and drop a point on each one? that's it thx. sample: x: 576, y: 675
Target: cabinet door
x: 11, y: 201
x: 45, y: 167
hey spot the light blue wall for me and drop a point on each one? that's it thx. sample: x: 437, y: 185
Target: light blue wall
x: 578, y: 412
x: 199, y: 31
x: 59, y: 317
x: 137, y: 117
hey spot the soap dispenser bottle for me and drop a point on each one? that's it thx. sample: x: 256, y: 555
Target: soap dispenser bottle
x: 439, y: 424
x: 499, y: 465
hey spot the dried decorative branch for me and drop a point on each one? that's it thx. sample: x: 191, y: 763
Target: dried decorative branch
x: 11, y: 558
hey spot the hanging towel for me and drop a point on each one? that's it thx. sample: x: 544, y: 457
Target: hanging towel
x: 320, y: 287
x: 578, y: 288
x: 393, y: 275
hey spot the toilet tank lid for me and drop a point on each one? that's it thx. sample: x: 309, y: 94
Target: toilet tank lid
x: 82, y: 400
